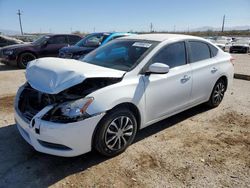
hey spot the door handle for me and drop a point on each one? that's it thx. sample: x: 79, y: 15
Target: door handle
x: 185, y: 78
x: 214, y: 70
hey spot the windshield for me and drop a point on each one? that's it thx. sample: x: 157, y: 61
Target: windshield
x: 120, y: 54
x: 99, y: 38
x: 41, y: 40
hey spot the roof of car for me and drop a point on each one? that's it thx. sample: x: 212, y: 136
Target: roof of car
x: 51, y: 35
x: 161, y: 37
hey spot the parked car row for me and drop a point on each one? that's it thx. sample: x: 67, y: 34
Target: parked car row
x: 64, y: 46
x: 232, y: 45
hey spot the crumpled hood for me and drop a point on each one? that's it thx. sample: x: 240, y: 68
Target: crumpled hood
x: 53, y: 75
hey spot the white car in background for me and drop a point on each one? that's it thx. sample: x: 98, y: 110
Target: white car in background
x: 241, y: 45
x: 69, y: 107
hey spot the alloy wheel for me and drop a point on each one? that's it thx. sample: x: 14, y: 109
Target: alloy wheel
x: 119, y: 132
x: 218, y: 93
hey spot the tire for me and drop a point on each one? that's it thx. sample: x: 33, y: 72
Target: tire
x: 217, y: 94
x: 24, y: 58
x: 115, y: 132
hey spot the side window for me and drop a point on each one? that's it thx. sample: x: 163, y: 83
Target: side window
x: 58, y: 40
x: 198, y: 51
x: 214, y: 50
x: 94, y: 39
x: 73, y: 39
x: 173, y: 55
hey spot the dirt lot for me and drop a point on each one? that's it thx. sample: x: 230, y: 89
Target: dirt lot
x: 200, y: 147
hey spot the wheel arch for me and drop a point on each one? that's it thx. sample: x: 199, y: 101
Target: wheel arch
x: 224, y: 78
x: 132, y: 107
x: 27, y: 51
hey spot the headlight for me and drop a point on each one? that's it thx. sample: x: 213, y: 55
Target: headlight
x: 8, y: 52
x: 69, y: 111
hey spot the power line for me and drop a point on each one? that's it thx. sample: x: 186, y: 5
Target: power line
x: 20, y: 21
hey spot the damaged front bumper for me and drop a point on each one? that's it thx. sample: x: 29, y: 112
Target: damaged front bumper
x: 68, y: 140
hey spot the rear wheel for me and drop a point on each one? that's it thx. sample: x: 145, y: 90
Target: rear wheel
x: 217, y: 93
x: 116, y: 132
x: 24, y: 59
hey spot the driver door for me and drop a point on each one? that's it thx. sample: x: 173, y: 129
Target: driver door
x: 168, y: 93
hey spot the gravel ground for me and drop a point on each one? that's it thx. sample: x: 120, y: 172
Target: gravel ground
x: 200, y: 147
x: 242, y: 63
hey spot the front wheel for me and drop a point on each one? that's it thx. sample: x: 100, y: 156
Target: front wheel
x: 24, y: 59
x: 115, y: 132
x: 217, y: 93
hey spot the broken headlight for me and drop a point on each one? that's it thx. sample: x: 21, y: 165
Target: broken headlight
x: 69, y: 111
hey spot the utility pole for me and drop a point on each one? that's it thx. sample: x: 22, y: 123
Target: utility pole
x: 223, y: 23
x: 151, y: 27
x: 20, y: 21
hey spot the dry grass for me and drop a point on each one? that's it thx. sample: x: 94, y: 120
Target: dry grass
x: 7, y: 104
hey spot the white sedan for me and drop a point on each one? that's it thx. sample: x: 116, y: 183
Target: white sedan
x: 69, y: 107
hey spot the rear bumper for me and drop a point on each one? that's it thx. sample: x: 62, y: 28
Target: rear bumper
x: 65, y: 140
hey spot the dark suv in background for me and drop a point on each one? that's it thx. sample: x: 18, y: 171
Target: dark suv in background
x: 45, y: 46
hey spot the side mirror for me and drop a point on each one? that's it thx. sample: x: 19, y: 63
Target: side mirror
x: 158, y: 68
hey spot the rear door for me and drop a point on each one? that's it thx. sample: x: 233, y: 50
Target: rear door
x: 170, y: 92
x: 51, y: 49
x: 204, y: 69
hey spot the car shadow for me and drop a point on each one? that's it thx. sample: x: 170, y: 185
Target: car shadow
x: 4, y: 67
x: 22, y: 166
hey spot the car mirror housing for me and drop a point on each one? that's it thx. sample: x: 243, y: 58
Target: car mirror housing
x: 158, y: 68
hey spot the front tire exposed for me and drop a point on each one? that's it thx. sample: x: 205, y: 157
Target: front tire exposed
x: 217, y: 93
x: 24, y: 59
x: 115, y: 132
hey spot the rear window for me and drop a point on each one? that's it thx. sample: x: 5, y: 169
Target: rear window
x: 214, y: 50
x: 198, y: 51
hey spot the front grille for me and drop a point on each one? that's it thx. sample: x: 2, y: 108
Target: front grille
x: 31, y: 102
x: 29, y: 115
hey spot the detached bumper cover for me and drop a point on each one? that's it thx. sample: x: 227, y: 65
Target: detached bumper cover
x: 66, y: 140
